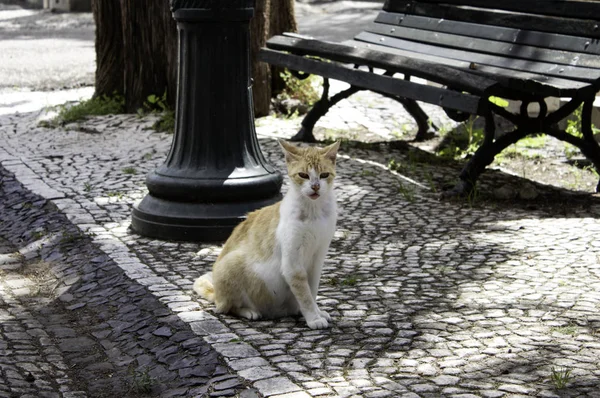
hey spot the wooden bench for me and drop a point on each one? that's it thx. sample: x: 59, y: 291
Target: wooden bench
x: 523, y: 50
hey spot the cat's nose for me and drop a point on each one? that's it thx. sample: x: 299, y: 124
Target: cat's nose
x: 316, y: 186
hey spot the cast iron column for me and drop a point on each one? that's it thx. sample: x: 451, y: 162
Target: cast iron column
x: 215, y: 172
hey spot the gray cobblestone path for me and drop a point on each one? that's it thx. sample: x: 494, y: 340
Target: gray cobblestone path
x: 30, y: 363
x: 72, y: 324
x: 429, y: 298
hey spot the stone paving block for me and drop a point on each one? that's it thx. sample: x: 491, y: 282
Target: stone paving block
x: 252, y: 363
x: 298, y: 394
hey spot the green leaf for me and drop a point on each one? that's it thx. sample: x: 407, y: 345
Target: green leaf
x: 498, y: 101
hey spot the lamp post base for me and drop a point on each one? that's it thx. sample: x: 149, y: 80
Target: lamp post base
x: 206, y: 222
x: 215, y: 172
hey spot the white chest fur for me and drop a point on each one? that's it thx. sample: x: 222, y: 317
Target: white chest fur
x: 305, y: 224
x: 303, y: 236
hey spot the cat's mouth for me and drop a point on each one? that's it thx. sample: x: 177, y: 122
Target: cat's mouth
x: 314, y: 196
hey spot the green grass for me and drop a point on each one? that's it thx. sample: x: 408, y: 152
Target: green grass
x: 36, y: 235
x: 68, y: 237
x: 345, y: 137
x: 394, y: 165
x: 158, y: 105
x: 466, y: 141
x: 366, y: 173
x: 571, y: 151
x: 142, y: 382
x: 115, y: 194
x: 570, y: 329
x: 574, y: 124
x: 534, y: 142
x: 430, y: 182
x: 463, y: 142
x: 560, y: 377
x: 592, y: 170
x: 473, y: 196
x: 304, y: 90
x: 96, y: 106
x: 148, y: 155
x: 523, y: 149
x: 351, y: 280
x: 165, y: 122
x: 408, y: 192
x: 574, y: 128
x: 129, y: 170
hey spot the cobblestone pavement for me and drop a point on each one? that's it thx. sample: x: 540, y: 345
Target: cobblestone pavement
x: 72, y: 324
x: 429, y: 298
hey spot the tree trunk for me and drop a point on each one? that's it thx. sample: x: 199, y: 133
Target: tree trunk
x: 150, y: 45
x: 136, y: 49
x: 109, y: 47
x: 261, y: 73
x: 271, y: 17
x: 283, y: 19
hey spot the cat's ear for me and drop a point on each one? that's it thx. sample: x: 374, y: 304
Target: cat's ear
x: 330, y: 152
x: 291, y: 152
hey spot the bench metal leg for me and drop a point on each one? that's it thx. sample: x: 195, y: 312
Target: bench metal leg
x: 588, y: 145
x: 483, y: 157
x: 426, y: 128
x: 525, y: 125
x: 592, y: 149
x: 319, y: 109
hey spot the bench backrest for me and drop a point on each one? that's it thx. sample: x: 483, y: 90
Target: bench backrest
x: 570, y: 17
x: 561, y: 37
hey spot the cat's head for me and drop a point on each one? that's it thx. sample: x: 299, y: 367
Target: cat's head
x: 311, y: 169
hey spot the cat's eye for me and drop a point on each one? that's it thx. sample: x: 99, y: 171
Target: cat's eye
x: 324, y: 175
x: 303, y: 175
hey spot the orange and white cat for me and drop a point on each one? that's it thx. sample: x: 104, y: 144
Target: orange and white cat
x: 271, y: 264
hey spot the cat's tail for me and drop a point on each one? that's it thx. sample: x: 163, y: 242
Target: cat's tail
x: 204, y: 287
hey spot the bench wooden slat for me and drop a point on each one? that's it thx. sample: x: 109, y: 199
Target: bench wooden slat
x: 375, y: 82
x: 585, y: 28
x: 420, y: 65
x: 518, y: 80
x: 498, y: 33
x: 561, y: 71
x: 485, y: 46
x: 581, y: 9
x: 387, y: 61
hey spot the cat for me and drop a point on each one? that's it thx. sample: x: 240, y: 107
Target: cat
x: 271, y: 265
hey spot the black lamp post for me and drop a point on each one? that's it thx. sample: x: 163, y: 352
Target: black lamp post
x: 215, y: 172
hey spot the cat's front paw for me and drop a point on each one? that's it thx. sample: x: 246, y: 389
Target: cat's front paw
x: 325, y: 314
x: 318, y: 323
x: 249, y: 314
